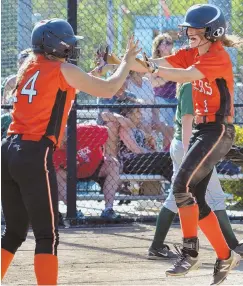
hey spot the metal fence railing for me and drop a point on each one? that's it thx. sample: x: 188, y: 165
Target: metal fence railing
x: 135, y: 186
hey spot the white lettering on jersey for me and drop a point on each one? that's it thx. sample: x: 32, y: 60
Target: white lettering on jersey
x: 203, y: 87
x: 83, y: 153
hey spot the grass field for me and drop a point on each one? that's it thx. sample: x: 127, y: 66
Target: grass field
x: 116, y: 256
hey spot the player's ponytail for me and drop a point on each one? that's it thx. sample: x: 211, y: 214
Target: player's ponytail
x: 31, y: 57
x: 232, y: 41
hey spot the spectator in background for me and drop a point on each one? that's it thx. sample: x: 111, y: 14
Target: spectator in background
x: 142, y: 88
x: 137, y: 151
x: 92, y: 164
x: 121, y: 97
x: 113, y: 123
x: 139, y: 87
x: 10, y: 82
x: 165, y: 91
x: 150, y: 120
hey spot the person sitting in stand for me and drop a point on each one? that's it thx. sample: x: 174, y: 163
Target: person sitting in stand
x: 137, y: 151
x: 93, y: 163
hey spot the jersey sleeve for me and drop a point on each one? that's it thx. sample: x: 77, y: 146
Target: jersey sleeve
x: 212, y: 66
x: 179, y: 59
x: 186, y: 99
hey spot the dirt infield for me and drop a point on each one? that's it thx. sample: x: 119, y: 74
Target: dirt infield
x: 115, y: 256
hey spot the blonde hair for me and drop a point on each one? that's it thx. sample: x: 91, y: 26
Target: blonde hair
x: 24, y: 54
x: 31, y: 57
x: 157, y: 41
x: 29, y: 60
x: 232, y: 41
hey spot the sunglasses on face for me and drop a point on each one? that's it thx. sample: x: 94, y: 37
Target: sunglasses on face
x: 167, y: 43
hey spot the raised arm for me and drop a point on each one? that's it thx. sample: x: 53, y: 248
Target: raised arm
x: 103, y: 70
x: 96, y: 86
x: 138, y: 67
x: 93, y: 85
x: 180, y: 75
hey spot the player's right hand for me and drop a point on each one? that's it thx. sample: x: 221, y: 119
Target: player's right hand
x: 131, y: 51
x: 151, y: 66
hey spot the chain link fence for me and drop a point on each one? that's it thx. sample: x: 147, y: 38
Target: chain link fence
x: 122, y: 168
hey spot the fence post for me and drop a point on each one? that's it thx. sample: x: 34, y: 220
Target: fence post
x: 24, y: 24
x: 71, y: 132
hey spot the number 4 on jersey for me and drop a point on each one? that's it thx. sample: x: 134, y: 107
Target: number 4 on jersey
x: 29, y: 87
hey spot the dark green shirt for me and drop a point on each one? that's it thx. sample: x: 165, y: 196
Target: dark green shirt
x: 185, y: 106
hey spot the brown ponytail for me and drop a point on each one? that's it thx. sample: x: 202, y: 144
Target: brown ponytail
x: 232, y: 41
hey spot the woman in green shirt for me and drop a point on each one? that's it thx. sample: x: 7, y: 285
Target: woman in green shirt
x: 215, y: 196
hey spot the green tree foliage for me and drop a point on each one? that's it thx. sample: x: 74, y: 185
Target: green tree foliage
x: 237, y: 17
x: 239, y: 135
x: 9, y: 37
x: 92, y: 23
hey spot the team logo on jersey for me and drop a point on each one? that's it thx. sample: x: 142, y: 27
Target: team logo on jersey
x: 219, y: 32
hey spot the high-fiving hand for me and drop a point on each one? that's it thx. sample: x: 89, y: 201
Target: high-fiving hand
x: 132, y: 51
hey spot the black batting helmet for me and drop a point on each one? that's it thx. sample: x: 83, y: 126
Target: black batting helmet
x: 206, y: 16
x: 54, y: 37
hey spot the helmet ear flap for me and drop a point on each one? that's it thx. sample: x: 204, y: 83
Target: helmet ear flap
x: 208, y: 33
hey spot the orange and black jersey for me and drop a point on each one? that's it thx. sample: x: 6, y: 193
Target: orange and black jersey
x: 214, y: 94
x: 43, y: 101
